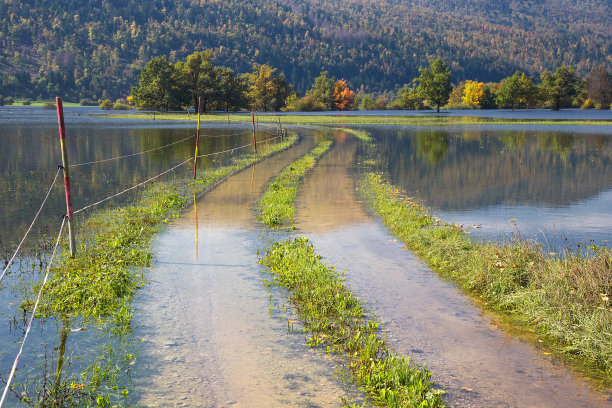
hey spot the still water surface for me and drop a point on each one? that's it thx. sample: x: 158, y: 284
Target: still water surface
x: 548, y: 184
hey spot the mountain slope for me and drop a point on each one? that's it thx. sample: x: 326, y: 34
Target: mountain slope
x: 84, y: 49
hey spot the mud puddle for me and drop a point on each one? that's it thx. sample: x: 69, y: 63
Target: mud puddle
x: 426, y: 318
x: 209, y: 340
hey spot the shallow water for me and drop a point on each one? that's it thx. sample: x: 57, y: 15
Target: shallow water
x: 209, y: 340
x: 549, y: 184
x: 424, y: 317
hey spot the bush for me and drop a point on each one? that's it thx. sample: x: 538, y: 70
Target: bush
x: 26, y: 102
x: 106, y: 104
x: 88, y: 102
x: 121, y: 106
x: 49, y: 105
x: 588, y: 104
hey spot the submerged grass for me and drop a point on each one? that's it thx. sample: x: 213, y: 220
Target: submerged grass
x: 97, y: 285
x: 337, y: 321
x: 276, y: 207
x: 330, y: 312
x: 564, y: 300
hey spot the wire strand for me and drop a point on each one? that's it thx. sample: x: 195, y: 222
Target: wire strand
x: 132, y: 154
x: 25, y: 336
x: 131, y: 188
x: 31, y: 225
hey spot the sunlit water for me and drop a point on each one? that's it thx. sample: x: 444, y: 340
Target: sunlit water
x: 424, y: 317
x: 211, y: 338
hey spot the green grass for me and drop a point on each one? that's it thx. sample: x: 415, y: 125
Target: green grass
x: 276, y: 207
x: 337, y: 322
x: 564, y: 301
x: 412, y: 120
x: 329, y: 311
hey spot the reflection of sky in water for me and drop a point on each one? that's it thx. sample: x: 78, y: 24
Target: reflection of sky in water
x: 579, y: 222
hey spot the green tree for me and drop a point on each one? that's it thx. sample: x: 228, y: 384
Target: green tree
x: 266, y: 91
x: 200, y: 78
x: 510, y: 92
x: 410, y: 98
x: 367, y: 103
x: 281, y: 90
x: 232, y: 91
x: 560, y: 87
x: 599, y: 87
x: 323, y: 90
x: 435, y: 83
x: 160, y: 86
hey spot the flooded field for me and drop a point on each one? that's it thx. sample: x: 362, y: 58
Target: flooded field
x: 210, y: 336
x: 206, y: 330
x: 424, y: 317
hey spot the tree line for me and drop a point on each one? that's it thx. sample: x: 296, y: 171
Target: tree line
x: 95, y: 49
x: 167, y: 86
x: 164, y: 85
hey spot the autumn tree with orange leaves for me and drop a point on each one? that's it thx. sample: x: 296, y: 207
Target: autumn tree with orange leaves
x: 344, y: 98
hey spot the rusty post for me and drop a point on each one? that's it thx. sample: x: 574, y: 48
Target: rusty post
x: 62, y: 132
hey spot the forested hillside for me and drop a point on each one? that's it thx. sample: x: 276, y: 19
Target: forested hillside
x: 96, y: 48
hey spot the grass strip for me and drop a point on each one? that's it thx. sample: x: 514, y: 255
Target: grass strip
x: 564, y: 300
x: 337, y: 321
x: 328, y: 310
x: 276, y: 207
x: 408, y: 120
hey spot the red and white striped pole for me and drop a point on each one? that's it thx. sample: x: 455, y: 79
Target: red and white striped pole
x: 62, y: 132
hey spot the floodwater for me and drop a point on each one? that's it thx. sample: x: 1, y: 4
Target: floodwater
x: 209, y: 339
x: 548, y: 183
x: 424, y: 317
x: 30, y: 155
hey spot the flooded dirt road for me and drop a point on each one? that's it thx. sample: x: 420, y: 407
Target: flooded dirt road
x: 209, y: 340
x: 426, y: 318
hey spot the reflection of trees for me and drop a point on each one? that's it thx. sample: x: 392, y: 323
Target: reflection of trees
x: 485, y: 167
x: 433, y: 145
x: 31, y: 155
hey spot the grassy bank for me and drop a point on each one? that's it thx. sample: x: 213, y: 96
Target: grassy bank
x: 564, y: 301
x: 430, y: 119
x: 276, y: 207
x: 329, y: 311
x: 97, y: 285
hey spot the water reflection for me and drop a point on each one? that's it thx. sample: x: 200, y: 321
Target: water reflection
x: 30, y: 156
x: 208, y: 336
x: 424, y: 317
x: 465, y: 174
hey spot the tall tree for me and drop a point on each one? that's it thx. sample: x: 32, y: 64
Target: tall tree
x: 599, y: 87
x: 560, y: 87
x: 323, y: 90
x: 160, y: 86
x: 435, y: 83
x: 267, y: 91
x: 200, y: 78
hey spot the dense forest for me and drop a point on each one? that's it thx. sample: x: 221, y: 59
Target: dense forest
x: 96, y: 49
